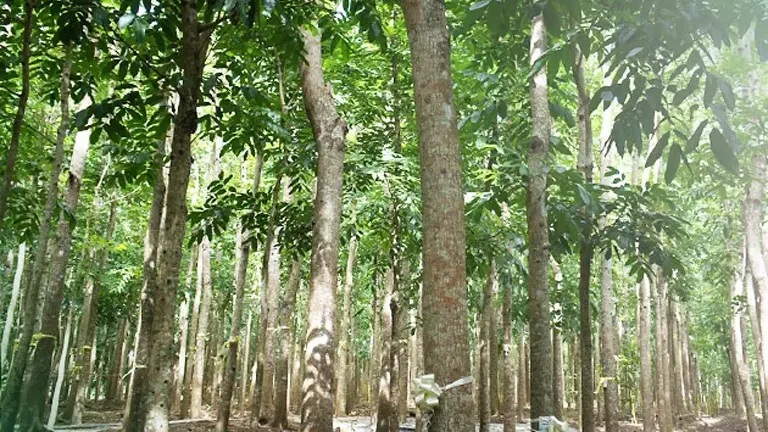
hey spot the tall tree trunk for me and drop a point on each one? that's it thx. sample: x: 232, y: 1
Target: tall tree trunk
x: 329, y: 130
x: 246, y: 361
x: 12, y: 393
x: 36, y: 386
x: 385, y: 416
x: 538, y: 234
x: 757, y: 336
x: 184, y: 335
x: 557, y: 372
x: 62, y: 367
x: 192, y: 334
x: 21, y: 107
x: 280, y: 419
x: 737, y: 337
x: 9, y: 316
x: 242, y: 252
x: 493, y: 366
x: 484, y: 408
x: 446, y: 331
x: 509, y: 411
x: 136, y: 404
x: 663, y: 380
x: 341, y: 369
x: 116, y: 363
x: 399, y: 355
x: 196, y: 384
x: 522, y: 390
x: 585, y: 163
x: 644, y: 346
x: 373, y: 366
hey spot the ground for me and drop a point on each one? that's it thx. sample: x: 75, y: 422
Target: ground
x: 101, y: 417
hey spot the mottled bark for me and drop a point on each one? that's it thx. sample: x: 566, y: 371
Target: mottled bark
x: 385, y: 416
x: 329, y: 130
x: 446, y: 331
x: 12, y: 392
x: 21, y: 107
x: 136, y: 403
x: 343, y: 359
x: 194, y: 50
x: 538, y: 234
x: 36, y: 383
x: 644, y: 346
x: 285, y: 313
x: 509, y: 412
x: 201, y: 338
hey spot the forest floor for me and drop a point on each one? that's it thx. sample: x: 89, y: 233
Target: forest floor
x: 100, y: 417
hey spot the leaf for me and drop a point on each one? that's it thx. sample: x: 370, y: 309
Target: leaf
x: 633, y: 52
x: 141, y: 29
x: 723, y: 152
x: 693, y: 141
x: 657, y: 150
x: 479, y: 5
x: 727, y: 92
x: 710, y: 89
x: 675, y: 154
x: 125, y: 20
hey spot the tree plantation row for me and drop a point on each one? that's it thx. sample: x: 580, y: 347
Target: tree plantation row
x: 274, y: 214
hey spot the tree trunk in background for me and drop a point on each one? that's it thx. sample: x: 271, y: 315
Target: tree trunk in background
x: 280, y: 419
x: 509, y: 411
x: 329, y: 130
x: 385, y: 415
x: 374, y: 367
x: 198, y: 371
x: 116, y: 363
x: 538, y: 235
x: 522, y: 391
x: 399, y: 354
x: 9, y: 316
x: 62, y: 367
x: 493, y: 366
x: 246, y: 361
x: 446, y: 331
x: 194, y: 51
x: 484, y: 408
x: 585, y: 164
x: 88, y: 325
x: 184, y: 335
x: 557, y: 373
x: 21, y: 107
x: 242, y: 255
x: 136, y: 404
x: 644, y: 346
x: 296, y: 374
x: 675, y: 347
x: 663, y: 379
x: 36, y: 385
x: 192, y: 334
x: 737, y: 291
x: 341, y: 368
x: 757, y: 336
x: 12, y: 392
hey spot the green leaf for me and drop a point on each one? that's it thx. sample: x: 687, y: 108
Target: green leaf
x: 479, y: 5
x: 657, y: 150
x: 710, y: 89
x: 723, y: 152
x: 693, y: 141
x: 125, y: 20
x: 727, y: 92
x: 675, y: 154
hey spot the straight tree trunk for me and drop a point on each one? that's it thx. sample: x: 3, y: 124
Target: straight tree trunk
x: 386, y: 417
x: 192, y: 335
x: 246, y: 360
x: 36, y: 385
x: 136, y: 404
x: 557, y: 372
x: 341, y: 370
x: 737, y: 291
x: 116, y: 363
x: 538, y: 234
x: 373, y: 367
x: 12, y: 393
x: 757, y: 336
x: 446, y: 331
x: 184, y: 324
x: 21, y: 107
x: 329, y: 130
x: 62, y: 367
x: 644, y: 345
x: 494, y: 360
x: 663, y: 380
x: 484, y: 408
x: 522, y: 391
x: 280, y: 419
x: 204, y: 274
x: 9, y: 316
x: 509, y: 411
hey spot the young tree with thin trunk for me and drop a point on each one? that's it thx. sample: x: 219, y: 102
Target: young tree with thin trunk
x: 198, y: 371
x: 644, y: 346
x: 341, y: 370
x: 446, y: 331
x: 36, y: 384
x: 385, y: 415
x: 663, y: 377
x: 62, y: 367
x: 9, y: 316
x: 538, y: 234
x: 21, y: 107
x: 12, y: 392
x: 509, y: 411
x: 484, y: 408
x: 280, y: 419
x: 329, y: 130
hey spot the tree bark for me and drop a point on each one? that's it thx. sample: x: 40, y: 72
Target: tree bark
x: 136, y: 404
x: 9, y: 316
x: 204, y: 274
x: 557, y: 372
x: 18, y: 120
x: 385, y: 416
x: 737, y: 291
x: 509, y: 411
x: 446, y: 331
x: 663, y: 377
x: 62, y: 367
x: 36, y: 385
x: 186, y: 388
x: 329, y: 130
x: 280, y: 419
x: 341, y: 370
x: 184, y: 335
x: 484, y: 408
x: 522, y: 391
x: 644, y: 345
x: 538, y: 234
x: 12, y: 393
